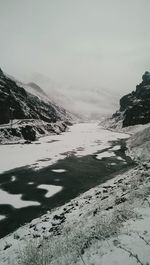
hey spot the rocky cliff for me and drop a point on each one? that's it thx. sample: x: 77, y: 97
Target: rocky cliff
x: 135, y: 107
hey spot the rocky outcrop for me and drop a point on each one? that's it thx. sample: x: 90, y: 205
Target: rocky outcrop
x: 135, y: 107
x: 30, y: 130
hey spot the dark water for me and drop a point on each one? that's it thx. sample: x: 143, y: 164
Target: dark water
x: 81, y: 174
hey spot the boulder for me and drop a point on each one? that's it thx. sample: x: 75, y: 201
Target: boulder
x: 28, y: 133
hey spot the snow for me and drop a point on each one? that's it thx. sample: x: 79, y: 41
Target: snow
x: 15, y: 200
x: 2, y: 217
x: 51, y: 189
x: 81, y: 139
x: 59, y: 170
x: 139, y: 145
x: 105, y: 155
x: 13, y: 178
x: 120, y: 158
x: 134, y: 241
x: 110, y: 153
x: 115, y: 148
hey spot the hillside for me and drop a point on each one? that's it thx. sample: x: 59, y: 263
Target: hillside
x: 27, y: 112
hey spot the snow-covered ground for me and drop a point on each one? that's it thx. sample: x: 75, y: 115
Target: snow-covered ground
x: 108, y: 224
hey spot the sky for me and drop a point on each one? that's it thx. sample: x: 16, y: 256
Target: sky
x: 85, y: 53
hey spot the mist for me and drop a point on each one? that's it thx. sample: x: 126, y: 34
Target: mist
x: 85, y: 54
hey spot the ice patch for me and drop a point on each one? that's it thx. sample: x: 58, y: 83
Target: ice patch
x: 51, y: 189
x: 15, y: 200
x: 13, y: 178
x: 105, y: 155
x: 59, y: 170
x: 115, y: 148
x: 2, y: 217
x: 57, y: 179
x: 120, y: 158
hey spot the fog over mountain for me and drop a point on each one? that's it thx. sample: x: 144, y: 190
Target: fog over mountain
x: 85, y: 54
x: 85, y: 102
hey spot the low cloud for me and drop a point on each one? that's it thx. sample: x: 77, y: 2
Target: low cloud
x: 89, y: 103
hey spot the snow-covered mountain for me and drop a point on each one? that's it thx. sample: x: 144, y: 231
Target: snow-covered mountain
x: 28, y: 110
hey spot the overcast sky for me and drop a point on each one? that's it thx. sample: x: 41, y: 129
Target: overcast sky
x: 84, y: 47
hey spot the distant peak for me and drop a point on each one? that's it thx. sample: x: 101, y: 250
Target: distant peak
x: 146, y: 77
x: 147, y: 73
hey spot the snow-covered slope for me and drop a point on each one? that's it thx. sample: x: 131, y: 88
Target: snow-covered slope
x: 139, y: 145
x: 31, y: 107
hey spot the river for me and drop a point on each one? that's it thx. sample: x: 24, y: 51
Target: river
x: 43, y: 175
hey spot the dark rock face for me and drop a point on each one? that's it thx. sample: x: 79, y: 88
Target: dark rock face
x: 135, y: 107
x: 4, y: 111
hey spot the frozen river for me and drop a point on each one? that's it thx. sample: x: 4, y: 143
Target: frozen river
x: 49, y: 172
